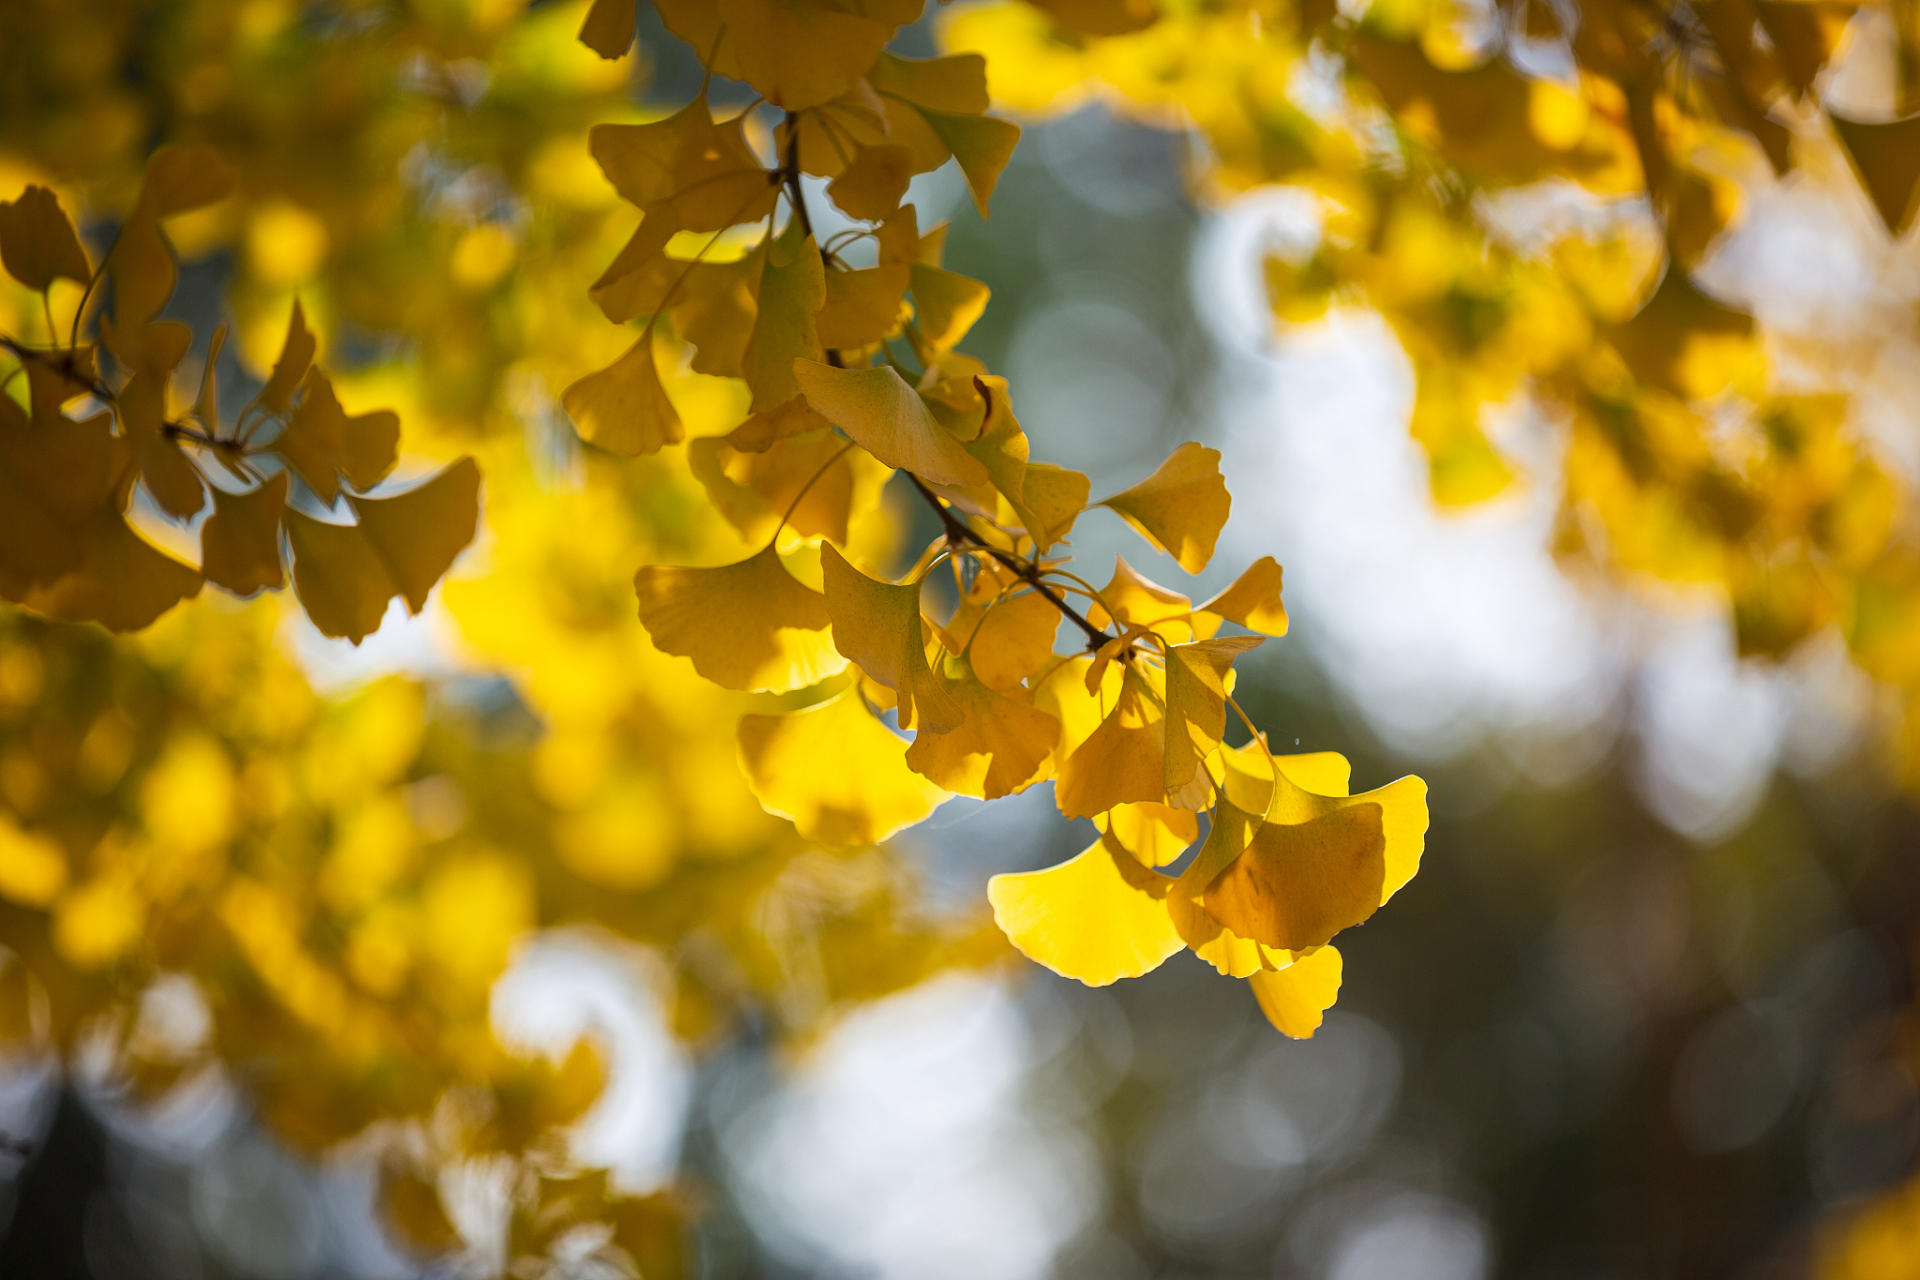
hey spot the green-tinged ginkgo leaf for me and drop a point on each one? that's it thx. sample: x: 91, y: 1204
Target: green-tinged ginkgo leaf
x: 38, y: 244
x: 886, y: 417
x: 873, y: 183
x: 861, y: 307
x: 1097, y: 918
x: 1253, y: 600
x: 623, y: 408
x: 322, y: 443
x: 1295, y: 885
x: 290, y: 370
x: 1156, y: 834
x: 1181, y: 507
x: 1887, y: 158
x: 609, y: 27
x: 1121, y: 761
x: 1197, y: 713
x: 797, y: 54
x: 747, y: 626
x: 793, y: 288
x: 1001, y: 746
x: 1296, y: 998
x: 116, y: 579
x: 946, y: 305
x: 877, y: 625
x: 346, y: 574
x: 1231, y: 953
x: 240, y: 542
x: 836, y: 771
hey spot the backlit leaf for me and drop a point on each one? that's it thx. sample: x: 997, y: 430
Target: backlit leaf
x: 1295, y: 885
x: 1296, y: 998
x: 747, y: 626
x: 1181, y: 507
x: 38, y: 243
x: 836, y: 771
x: 877, y: 626
x: 623, y: 408
x: 1097, y: 918
x: 1000, y: 746
x: 240, y: 542
x: 886, y: 417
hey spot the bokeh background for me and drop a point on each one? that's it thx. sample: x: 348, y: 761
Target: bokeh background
x: 1644, y: 1012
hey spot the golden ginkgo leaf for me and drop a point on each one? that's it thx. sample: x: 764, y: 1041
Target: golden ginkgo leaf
x: 793, y: 288
x: 877, y: 625
x: 836, y: 771
x: 1197, y: 713
x: 1886, y: 156
x: 747, y: 626
x: 1139, y: 601
x: 1121, y: 761
x: 946, y: 305
x: 1249, y: 776
x: 38, y: 244
x: 798, y: 53
x: 1053, y: 498
x: 1002, y: 745
x: 1296, y: 998
x: 290, y: 370
x: 1253, y: 600
x: 623, y: 408
x: 1230, y: 953
x: 874, y: 182
x: 117, y: 578
x: 608, y: 29
x: 240, y: 542
x: 1295, y: 885
x: 1097, y: 918
x: 322, y: 443
x: 1156, y: 834
x: 1403, y: 807
x: 887, y: 418
x: 1011, y: 640
x: 1181, y: 507
x: 861, y: 307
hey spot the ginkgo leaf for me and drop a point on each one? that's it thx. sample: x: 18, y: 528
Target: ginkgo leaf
x: 608, y: 30
x: 957, y: 83
x: 1002, y: 445
x: 1137, y: 600
x: 1121, y: 762
x: 797, y: 54
x: 71, y: 465
x: 290, y: 370
x: 1228, y: 952
x: 981, y: 145
x: 1296, y: 998
x: 1181, y: 507
x: 700, y: 169
x: 861, y: 307
x: 1012, y: 640
x: 1197, y: 713
x: 838, y: 773
x: 1295, y: 885
x: 182, y: 177
x: 1403, y: 806
x: 812, y: 480
x: 1887, y: 158
x: 38, y: 244
x: 886, y: 417
x: 346, y: 574
x: 143, y: 272
x: 946, y: 304
x: 322, y: 443
x: 1000, y: 747
x: 825, y: 138
x: 793, y: 288
x: 747, y: 626
x: 874, y: 183
x: 240, y: 542
x: 623, y: 408
x: 1249, y: 777
x: 1097, y: 918
x: 117, y: 578
x: 1054, y: 498
x: 1156, y: 834
x: 1253, y: 600
x: 877, y: 625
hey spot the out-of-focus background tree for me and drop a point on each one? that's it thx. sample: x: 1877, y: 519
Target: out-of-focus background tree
x: 327, y: 959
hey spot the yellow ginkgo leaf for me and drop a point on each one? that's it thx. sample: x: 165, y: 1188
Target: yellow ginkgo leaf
x: 1296, y: 998
x: 240, y: 542
x: 1887, y: 158
x: 116, y: 577
x: 1253, y: 600
x: 1227, y: 951
x: 1197, y: 713
x: 290, y: 370
x: 946, y: 305
x: 836, y: 771
x: 1054, y: 497
x: 608, y: 30
x: 1295, y: 885
x: 322, y: 443
x: 38, y: 244
x: 1002, y: 746
x: 623, y: 408
x: 1156, y: 834
x: 1012, y: 640
x: 1120, y: 762
x: 1403, y: 806
x: 181, y: 177
x: 799, y: 53
x: 812, y: 479
x: 886, y: 417
x: 746, y: 626
x: 861, y: 307
x: 877, y: 625
x: 1249, y: 780
x: 1137, y: 600
x: 1002, y: 448
x: 957, y: 83
x: 1181, y: 507
x: 874, y: 183
x: 1098, y: 918
x: 793, y: 288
